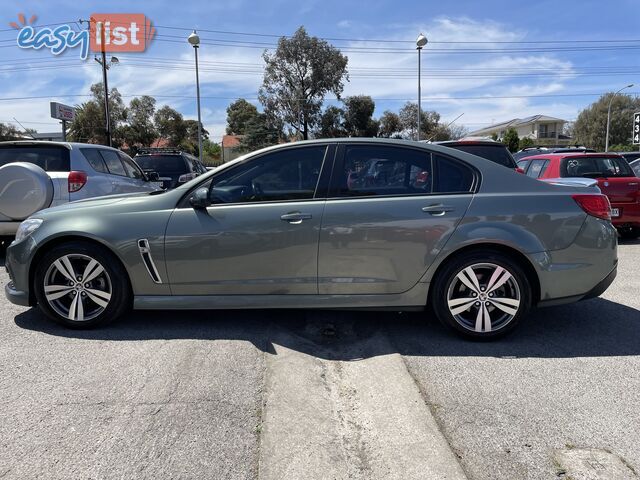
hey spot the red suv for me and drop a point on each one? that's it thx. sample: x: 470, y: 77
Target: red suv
x: 615, y: 178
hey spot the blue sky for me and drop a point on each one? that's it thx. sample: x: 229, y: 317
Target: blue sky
x: 504, y: 80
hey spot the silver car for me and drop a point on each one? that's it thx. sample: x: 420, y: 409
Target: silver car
x: 315, y: 225
x: 35, y: 175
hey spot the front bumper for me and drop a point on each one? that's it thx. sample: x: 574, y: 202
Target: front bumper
x: 16, y: 296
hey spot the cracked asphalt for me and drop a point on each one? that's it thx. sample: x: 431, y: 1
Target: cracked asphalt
x: 182, y: 394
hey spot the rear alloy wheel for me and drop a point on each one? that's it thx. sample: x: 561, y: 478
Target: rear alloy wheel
x: 81, y: 286
x: 482, y: 295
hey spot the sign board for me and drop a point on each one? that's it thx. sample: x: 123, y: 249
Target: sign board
x: 62, y: 112
x: 636, y: 128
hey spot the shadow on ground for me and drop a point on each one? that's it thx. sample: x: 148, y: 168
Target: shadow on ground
x: 591, y: 328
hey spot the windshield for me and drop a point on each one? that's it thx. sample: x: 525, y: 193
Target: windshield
x: 595, y: 167
x: 163, y: 164
x: 496, y: 153
x: 49, y: 158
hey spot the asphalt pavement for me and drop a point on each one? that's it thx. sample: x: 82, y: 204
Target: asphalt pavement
x: 195, y: 394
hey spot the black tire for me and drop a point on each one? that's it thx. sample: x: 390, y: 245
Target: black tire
x: 114, y: 276
x: 629, y: 233
x: 447, y: 282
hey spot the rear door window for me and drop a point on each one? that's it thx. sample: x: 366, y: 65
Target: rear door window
x: 382, y: 170
x: 114, y: 165
x: 95, y: 159
x: 50, y: 158
x: 537, y: 168
x: 451, y: 176
x: 131, y: 168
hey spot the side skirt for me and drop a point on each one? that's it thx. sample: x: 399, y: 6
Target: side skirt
x: 414, y: 299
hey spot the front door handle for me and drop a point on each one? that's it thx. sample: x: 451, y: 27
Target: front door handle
x: 438, y: 209
x: 295, y: 217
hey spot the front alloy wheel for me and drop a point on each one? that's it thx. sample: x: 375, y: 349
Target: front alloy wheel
x: 77, y: 287
x: 481, y: 294
x: 81, y: 285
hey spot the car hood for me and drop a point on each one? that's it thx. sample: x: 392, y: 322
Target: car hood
x: 121, y: 202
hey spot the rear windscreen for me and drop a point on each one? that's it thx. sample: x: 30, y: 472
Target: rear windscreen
x: 594, y: 167
x: 498, y: 154
x: 49, y: 158
x: 163, y: 164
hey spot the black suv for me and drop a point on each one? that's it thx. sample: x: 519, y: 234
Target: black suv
x: 495, y: 151
x: 174, y: 166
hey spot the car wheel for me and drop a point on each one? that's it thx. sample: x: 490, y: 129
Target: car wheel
x: 81, y: 285
x: 629, y: 233
x: 481, y: 294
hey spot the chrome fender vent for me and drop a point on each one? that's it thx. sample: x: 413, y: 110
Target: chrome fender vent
x: 145, y: 253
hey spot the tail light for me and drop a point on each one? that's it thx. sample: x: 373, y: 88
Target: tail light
x: 76, y: 180
x: 594, y: 205
x: 519, y: 170
x: 186, y: 177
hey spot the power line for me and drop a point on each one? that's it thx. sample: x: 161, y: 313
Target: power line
x: 486, y: 97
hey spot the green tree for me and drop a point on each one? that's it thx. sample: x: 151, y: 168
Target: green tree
x: 511, y: 140
x: 190, y: 142
x: 590, y: 128
x: 409, y: 121
x: 297, y: 77
x: 211, y: 153
x: 259, y: 133
x: 9, y: 132
x: 526, y: 142
x: 140, y: 130
x: 170, y: 125
x: 238, y: 114
x: 389, y: 125
x: 331, y: 123
x: 358, y: 116
x: 89, y: 124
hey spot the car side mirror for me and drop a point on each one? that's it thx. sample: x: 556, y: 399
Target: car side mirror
x: 200, y: 198
x: 153, y: 176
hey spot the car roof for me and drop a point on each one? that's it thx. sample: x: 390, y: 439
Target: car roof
x: 489, y: 143
x: 572, y: 155
x: 68, y: 145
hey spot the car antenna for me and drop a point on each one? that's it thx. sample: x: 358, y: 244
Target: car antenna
x: 25, y: 130
x: 448, y: 124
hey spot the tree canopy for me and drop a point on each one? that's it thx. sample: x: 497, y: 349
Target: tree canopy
x: 297, y: 77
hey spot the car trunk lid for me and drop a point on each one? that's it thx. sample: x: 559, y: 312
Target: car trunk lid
x: 620, y: 189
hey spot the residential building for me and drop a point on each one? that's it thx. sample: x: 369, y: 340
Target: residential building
x: 542, y: 129
x: 229, y: 147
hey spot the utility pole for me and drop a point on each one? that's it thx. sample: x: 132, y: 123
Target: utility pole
x: 103, y: 63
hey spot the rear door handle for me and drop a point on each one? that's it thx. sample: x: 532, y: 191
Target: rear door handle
x: 295, y: 217
x: 438, y: 209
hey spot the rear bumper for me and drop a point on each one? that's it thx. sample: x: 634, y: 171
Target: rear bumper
x: 629, y: 215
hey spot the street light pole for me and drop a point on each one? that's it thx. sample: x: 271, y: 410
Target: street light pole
x: 421, y: 41
x: 194, y: 40
x: 606, y: 141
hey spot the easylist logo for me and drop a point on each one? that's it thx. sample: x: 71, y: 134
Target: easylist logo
x: 120, y: 32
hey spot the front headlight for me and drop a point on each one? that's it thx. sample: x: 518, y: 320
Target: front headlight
x: 27, y: 227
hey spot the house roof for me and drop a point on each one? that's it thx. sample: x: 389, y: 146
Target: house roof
x: 516, y: 122
x: 230, y: 141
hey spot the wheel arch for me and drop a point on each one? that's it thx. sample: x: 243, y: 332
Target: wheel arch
x: 503, y: 249
x: 61, y: 240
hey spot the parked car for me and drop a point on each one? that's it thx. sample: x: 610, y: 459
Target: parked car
x: 173, y: 166
x: 495, y: 151
x: 282, y: 228
x: 615, y: 179
x: 531, y: 151
x: 36, y: 175
x: 635, y: 165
